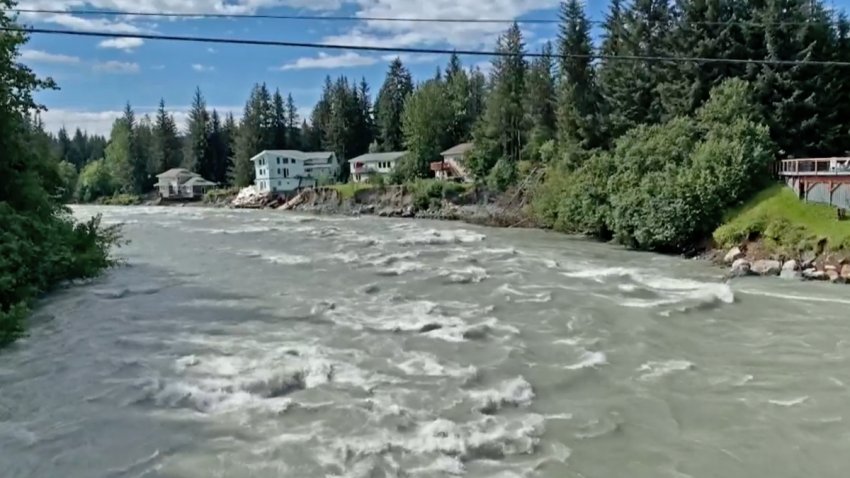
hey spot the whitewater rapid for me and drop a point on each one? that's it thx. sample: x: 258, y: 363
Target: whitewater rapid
x: 259, y: 343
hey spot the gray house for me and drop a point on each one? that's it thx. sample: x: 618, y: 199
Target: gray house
x: 369, y: 165
x: 179, y: 183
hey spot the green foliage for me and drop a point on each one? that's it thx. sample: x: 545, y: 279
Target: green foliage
x: 502, y: 131
x: 503, y: 174
x: 389, y: 106
x: 68, y: 176
x: 40, y: 244
x: 348, y: 190
x: 663, y: 187
x: 426, y: 123
x: 95, y: 181
x: 120, y: 200
x: 428, y: 193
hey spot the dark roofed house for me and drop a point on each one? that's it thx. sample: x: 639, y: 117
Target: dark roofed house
x: 453, y: 164
x: 180, y: 183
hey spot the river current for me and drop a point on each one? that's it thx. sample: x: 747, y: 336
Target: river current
x: 265, y: 344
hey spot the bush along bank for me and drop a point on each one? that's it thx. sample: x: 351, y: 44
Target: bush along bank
x: 663, y: 188
x: 40, y: 243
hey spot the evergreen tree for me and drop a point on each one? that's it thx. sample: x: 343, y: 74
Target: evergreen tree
x: 427, y: 123
x: 65, y: 146
x: 501, y: 134
x: 293, y: 135
x: 146, y: 149
x: 459, y: 98
x: 196, y: 157
x: 119, y: 156
x: 578, y: 102
x: 476, y: 98
x: 279, y: 134
x: 219, y: 150
x: 249, y: 139
x: 540, y: 92
x: 389, y: 106
x: 167, y: 146
x: 364, y: 124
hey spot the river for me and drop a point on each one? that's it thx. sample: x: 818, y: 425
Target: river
x: 264, y: 344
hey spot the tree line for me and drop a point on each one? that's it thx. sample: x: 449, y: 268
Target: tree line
x: 574, y: 101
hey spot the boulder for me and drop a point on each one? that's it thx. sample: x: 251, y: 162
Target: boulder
x: 767, y: 267
x: 814, y: 274
x: 834, y: 276
x: 791, y: 274
x: 845, y: 271
x: 807, y: 259
x: 791, y: 265
x: 733, y: 255
x: 740, y: 268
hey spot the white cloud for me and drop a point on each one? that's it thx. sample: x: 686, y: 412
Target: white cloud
x: 100, y: 122
x: 409, y: 59
x: 212, y: 50
x: 325, y: 61
x: 123, y: 43
x: 113, y: 66
x: 158, y: 67
x: 202, y: 68
x: 458, y: 34
x: 39, y: 56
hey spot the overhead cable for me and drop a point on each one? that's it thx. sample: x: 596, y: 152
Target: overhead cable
x: 386, y: 49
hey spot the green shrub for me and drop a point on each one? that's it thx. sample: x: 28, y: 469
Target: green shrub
x: 120, y: 200
x: 503, y: 174
x: 663, y: 187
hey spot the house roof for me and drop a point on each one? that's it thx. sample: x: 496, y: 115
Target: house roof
x: 199, y: 181
x: 375, y: 157
x: 174, y: 172
x: 461, y: 148
x: 294, y: 153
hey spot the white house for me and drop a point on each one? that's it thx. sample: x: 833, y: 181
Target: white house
x: 182, y: 183
x: 286, y: 170
x: 374, y: 164
x: 453, y: 164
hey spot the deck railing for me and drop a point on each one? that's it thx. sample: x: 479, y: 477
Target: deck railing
x: 814, y: 167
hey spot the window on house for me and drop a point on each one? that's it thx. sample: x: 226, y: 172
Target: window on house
x: 285, y: 160
x: 278, y: 170
x: 278, y: 160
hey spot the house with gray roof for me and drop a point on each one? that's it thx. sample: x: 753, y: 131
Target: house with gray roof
x: 453, y: 164
x: 369, y: 165
x: 180, y: 183
x: 287, y: 170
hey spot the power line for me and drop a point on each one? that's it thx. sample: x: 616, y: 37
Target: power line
x: 354, y: 18
x: 280, y: 17
x: 439, y: 51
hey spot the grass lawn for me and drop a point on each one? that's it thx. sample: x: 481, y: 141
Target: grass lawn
x: 784, y: 223
x: 348, y: 190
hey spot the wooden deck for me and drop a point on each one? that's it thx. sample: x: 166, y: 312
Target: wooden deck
x: 820, y: 180
x: 815, y: 167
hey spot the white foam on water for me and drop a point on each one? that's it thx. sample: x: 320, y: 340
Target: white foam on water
x: 516, y: 392
x: 468, y: 275
x: 285, y: 259
x: 241, y: 229
x: 789, y: 402
x: 655, y: 370
x: 441, y: 466
x: 796, y: 298
x: 518, y: 296
x: 421, y: 363
x: 589, y: 360
x: 401, y: 268
x: 437, y: 237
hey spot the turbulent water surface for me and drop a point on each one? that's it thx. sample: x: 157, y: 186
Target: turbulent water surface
x: 262, y: 344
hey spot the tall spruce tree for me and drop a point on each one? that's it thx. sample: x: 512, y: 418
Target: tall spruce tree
x: 541, y: 101
x: 196, y: 157
x: 502, y: 132
x: 279, y: 117
x: 249, y: 139
x: 218, y: 150
x: 293, y: 135
x: 167, y: 146
x: 459, y: 99
x: 578, y: 102
x: 389, y: 106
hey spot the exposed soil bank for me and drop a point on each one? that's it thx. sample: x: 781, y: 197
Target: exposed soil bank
x: 476, y: 206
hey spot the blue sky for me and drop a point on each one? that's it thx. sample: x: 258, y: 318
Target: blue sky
x: 97, y: 77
